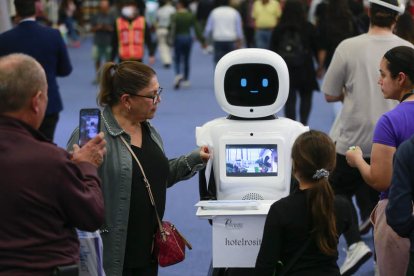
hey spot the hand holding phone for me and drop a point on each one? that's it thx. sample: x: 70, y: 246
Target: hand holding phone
x: 89, y: 124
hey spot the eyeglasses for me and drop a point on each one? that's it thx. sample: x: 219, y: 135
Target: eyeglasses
x: 154, y: 98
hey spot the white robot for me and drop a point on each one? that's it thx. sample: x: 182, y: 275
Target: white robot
x: 252, y: 146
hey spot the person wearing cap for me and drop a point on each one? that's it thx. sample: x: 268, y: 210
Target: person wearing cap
x: 352, y: 77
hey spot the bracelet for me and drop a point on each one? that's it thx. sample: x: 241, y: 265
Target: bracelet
x: 186, y: 162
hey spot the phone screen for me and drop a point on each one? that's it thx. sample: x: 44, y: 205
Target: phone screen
x: 89, y: 124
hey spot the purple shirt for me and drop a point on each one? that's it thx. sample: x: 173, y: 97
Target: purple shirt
x: 394, y: 127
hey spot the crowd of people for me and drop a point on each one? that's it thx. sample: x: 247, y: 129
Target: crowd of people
x: 334, y: 46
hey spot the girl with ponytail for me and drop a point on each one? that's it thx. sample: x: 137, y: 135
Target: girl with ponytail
x: 305, y: 221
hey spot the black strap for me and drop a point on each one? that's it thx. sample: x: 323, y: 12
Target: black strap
x: 292, y: 261
x: 406, y: 96
x: 207, y: 191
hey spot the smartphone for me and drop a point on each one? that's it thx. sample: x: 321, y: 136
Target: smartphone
x: 89, y: 124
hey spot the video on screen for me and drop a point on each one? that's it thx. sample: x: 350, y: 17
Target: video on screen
x: 251, y: 160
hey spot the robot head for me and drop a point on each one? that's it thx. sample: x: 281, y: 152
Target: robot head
x: 251, y: 83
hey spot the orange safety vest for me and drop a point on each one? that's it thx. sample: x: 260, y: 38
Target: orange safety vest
x: 131, y: 38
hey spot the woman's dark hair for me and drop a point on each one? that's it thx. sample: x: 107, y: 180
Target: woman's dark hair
x: 25, y: 8
x: 294, y: 14
x: 401, y: 59
x: 314, y: 151
x: 382, y: 16
x: 404, y: 27
x: 339, y: 21
x: 117, y: 79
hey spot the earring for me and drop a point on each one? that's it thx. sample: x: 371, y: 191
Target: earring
x: 129, y: 108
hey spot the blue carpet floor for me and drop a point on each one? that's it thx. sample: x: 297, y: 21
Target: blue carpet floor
x: 179, y: 113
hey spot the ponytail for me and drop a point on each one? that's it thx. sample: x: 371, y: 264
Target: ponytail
x: 314, y: 156
x: 107, y: 95
x: 321, y: 202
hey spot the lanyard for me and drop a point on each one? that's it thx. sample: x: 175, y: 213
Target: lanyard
x: 406, y: 96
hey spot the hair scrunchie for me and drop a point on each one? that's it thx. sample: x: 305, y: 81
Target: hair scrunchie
x: 319, y: 174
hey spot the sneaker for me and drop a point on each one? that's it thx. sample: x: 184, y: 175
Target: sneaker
x: 177, y: 81
x: 365, y: 226
x: 186, y: 83
x: 356, y: 255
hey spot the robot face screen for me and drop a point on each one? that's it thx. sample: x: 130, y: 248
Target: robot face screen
x: 251, y: 84
x: 251, y: 160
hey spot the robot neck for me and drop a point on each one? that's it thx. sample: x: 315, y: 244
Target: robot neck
x: 270, y: 117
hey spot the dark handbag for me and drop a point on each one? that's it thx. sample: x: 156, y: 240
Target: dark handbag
x: 169, y: 243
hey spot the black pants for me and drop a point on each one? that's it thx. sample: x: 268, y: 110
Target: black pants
x: 48, y: 125
x: 346, y: 181
x: 150, y: 270
x: 304, y: 105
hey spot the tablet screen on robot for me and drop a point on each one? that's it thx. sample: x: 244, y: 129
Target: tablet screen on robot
x: 251, y: 160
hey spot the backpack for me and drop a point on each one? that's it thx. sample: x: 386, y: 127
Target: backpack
x: 290, y: 48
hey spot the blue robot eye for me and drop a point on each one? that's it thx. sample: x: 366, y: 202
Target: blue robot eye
x: 265, y: 82
x: 243, y: 82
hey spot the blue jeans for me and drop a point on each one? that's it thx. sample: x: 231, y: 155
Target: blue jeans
x: 70, y: 25
x: 262, y: 38
x: 221, y: 48
x: 182, y: 50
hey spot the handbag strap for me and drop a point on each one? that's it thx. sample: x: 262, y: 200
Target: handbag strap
x: 151, y: 197
x: 147, y: 184
x: 296, y: 257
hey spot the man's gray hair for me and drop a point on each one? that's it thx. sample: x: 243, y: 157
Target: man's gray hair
x: 21, y: 76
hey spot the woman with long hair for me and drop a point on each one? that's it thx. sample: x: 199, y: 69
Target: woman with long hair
x: 301, y: 230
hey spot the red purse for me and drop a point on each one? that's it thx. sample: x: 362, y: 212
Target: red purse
x: 169, y: 243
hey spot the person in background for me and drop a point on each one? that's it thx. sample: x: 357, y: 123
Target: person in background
x: 394, y: 127
x: 399, y: 212
x: 335, y: 23
x: 352, y: 77
x: 164, y: 14
x: 48, y: 48
x: 131, y: 34
x: 67, y: 11
x: 224, y: 26
x: 299, y: 57
x: 246, y: 8
x: 183, y: 23
x: 309, y: 221
x: 339, y: 20
x: 404, y: 27
x: 45, y: 191
x: 266, y: 14
x: 102, y: 25
x: 130, y: 95
x: 5, y: 18
x: 204, y: 7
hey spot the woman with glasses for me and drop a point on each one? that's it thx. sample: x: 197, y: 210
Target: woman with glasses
x: 130, y: 94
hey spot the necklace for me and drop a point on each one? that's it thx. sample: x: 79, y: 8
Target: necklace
x: 406, y: 95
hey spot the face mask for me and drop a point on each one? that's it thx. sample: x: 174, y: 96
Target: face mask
x: 128, y: 12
